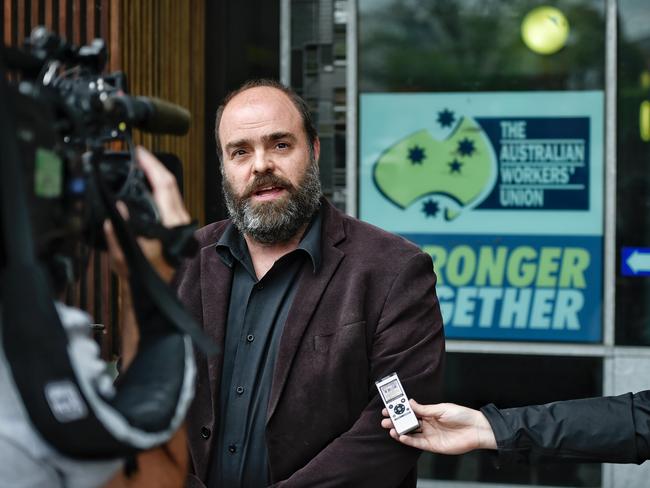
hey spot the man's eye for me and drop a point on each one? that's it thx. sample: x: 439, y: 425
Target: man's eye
x: 238, y: 152
x: 282, y: 145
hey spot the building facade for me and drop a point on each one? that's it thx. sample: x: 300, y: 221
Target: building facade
x: 511, y: 141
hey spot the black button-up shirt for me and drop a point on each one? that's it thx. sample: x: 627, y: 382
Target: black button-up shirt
x: 256, y: 316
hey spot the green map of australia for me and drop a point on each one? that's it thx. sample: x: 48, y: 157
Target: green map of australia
x: 458, y: 168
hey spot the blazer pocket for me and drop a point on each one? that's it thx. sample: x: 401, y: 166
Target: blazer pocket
x: 345, y: 337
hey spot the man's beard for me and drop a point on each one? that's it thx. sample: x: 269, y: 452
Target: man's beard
x: 276, y: 221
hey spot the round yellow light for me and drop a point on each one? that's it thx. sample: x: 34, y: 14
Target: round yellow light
x: 545, y: 30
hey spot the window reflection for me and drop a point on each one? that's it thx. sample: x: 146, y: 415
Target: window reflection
x: 509, y: 381
x: 474, y: 45
x: 633, y: 169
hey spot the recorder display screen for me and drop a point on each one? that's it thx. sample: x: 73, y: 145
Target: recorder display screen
x: 391, y: 390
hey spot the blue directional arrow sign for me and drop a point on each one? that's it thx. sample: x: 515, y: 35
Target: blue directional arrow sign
x: 635, y: 261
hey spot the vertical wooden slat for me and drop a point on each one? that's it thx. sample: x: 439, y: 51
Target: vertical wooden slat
x: 49, y: 14
x: 162, y: 36
x: 63, y: 17
x: 115, y: 15
x: 104, y: 31
x: 195, y: 169
x: 103, y: 298
x: 133, y: 38
x: 98, y: 18
x: 83, y: 22
x: 111, y: 22
x: 8, y: 26
x: 20, y: 28
x: 107, y: 299
x: 97, y: 287
x: 76, y: 22
x: 90, y: 20
x: 173, y: 90
x: 144, y: 38
x: 179, y: 38
x: 34, y: 21
x: 90, y: 285
x: 184, y: 39
x: 149, y: 76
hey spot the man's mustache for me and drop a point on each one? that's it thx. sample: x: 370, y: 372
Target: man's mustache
x: 265, y: 181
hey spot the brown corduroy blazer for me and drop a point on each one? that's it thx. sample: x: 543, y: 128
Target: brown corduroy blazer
x: 369, y: 310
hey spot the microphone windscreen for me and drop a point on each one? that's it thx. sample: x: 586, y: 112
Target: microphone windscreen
x: 165, y: 117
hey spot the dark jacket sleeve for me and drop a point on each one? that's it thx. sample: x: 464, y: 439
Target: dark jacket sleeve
x: 604, y: 429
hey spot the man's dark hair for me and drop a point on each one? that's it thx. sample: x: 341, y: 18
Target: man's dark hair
x: 297, y: 100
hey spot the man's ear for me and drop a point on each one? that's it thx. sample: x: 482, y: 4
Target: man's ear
x: 316, y: 149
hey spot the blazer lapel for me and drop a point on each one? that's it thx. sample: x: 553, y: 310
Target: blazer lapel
x: 310, y: 289
x: 216, y: 280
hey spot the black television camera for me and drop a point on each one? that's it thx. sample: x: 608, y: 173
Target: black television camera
x: 68, y: 113
x: 59, y: 180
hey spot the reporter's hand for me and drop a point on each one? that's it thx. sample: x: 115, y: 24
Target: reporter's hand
x: 446, y: 428
x: 169, y: 202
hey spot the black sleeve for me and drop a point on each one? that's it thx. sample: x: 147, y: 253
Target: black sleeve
x: 604, y: 429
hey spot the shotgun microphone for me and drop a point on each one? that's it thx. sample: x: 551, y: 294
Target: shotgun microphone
x: 150, y: 114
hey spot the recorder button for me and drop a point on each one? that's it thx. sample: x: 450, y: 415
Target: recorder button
x: 399, y: 409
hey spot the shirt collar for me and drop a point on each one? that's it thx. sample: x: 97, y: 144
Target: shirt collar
x: 232, y: 246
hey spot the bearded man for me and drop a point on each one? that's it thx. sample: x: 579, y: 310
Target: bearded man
x: 310, y: 307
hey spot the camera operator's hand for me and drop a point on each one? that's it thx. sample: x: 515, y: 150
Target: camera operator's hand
x: 169, y: 203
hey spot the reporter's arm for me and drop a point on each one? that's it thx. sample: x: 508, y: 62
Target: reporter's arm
x: 604, y: 429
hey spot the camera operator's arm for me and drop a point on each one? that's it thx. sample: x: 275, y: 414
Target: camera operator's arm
x: 172, y: 211
x: 165, y: 466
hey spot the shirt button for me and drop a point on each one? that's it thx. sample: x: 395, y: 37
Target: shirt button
x: 260, y: 287
x: 250, y: 338
x: 239, y: 390
x: 205, y: 432
x: 232, y: 449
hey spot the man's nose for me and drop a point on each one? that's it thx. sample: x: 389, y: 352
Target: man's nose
x: 263, y: 163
